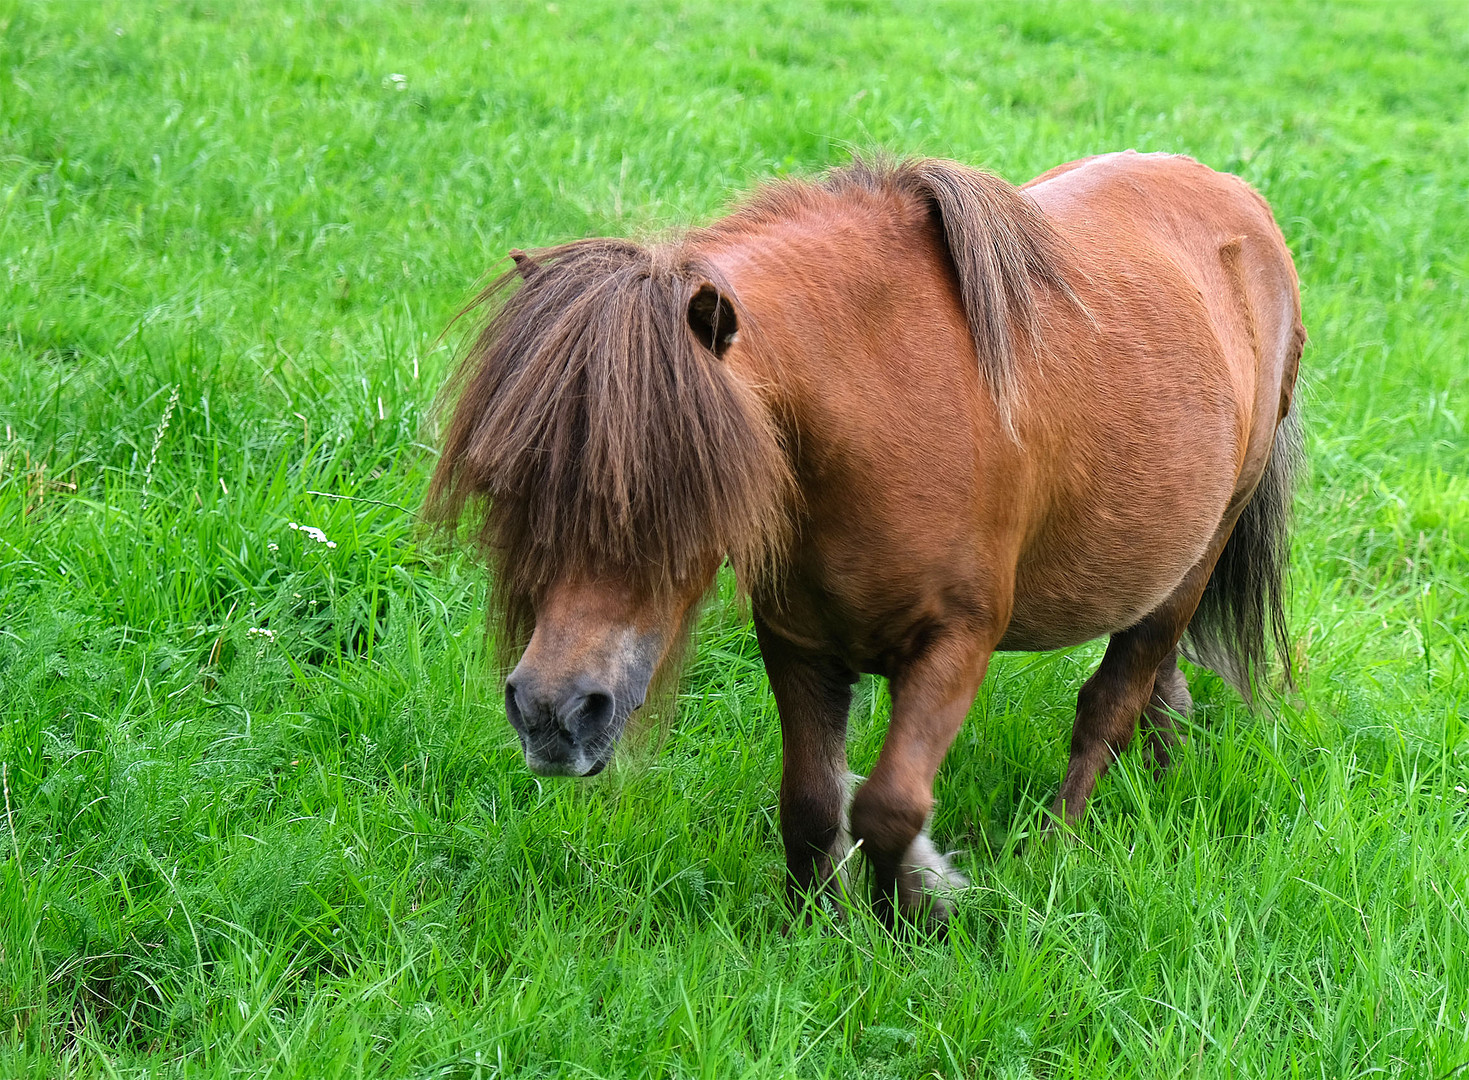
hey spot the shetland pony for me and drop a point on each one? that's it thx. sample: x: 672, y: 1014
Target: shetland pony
x: 926, y: 415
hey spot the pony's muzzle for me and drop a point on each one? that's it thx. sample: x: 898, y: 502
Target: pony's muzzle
x: 564, y: 731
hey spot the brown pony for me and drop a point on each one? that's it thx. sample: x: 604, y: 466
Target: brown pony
x: 926, y: 415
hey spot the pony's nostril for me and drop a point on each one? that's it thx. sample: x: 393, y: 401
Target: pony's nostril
x: 585, y: 713
x: 597, y: 708
x: 512, y: 708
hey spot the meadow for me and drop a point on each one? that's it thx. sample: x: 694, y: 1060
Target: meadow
x: 263, y: 816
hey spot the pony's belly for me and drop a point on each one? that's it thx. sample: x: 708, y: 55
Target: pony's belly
x: 1065, y: 629
x: 1072, y: 593
x: 1057, y: 624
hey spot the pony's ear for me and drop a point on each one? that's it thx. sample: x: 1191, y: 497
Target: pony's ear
x: 525, y: 266
x: 712, y: 319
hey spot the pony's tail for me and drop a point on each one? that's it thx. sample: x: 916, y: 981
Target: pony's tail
x: 1247, y: 591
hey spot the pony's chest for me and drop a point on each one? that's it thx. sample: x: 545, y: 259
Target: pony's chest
x: 871, y: 611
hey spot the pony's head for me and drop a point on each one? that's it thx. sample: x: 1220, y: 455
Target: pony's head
x: 610, y: 457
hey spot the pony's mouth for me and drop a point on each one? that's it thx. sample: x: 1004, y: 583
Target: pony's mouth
x: 577, y: 764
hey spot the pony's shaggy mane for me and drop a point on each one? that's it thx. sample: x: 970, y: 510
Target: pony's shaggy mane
x: 1005, y: 254
x: 594, y: 435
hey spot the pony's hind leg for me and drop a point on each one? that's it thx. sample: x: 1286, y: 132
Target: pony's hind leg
x: 1139, y: 669
x: 1170, y: 698
x: 813, y: 695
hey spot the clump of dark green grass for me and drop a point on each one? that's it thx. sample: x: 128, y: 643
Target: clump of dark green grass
x: 262, y: 814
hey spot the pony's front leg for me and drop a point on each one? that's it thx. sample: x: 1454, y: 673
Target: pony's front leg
x: 890, y: 812
x: 814, y: 695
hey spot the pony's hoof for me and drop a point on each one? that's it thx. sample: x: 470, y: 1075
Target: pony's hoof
x: 926, y: 887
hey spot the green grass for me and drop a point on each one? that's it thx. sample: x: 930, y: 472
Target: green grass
x: 263, y: 815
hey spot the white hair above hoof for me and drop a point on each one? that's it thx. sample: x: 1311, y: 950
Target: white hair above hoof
x: 845, y: 858
x: 926, y: 882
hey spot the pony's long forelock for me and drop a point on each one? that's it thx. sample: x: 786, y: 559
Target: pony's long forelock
x: 592, y: 435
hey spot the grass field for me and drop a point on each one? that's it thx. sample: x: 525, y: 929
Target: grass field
x: 262, y: 812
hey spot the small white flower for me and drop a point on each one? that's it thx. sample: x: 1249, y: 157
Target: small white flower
x: 315, y: 534
x: 272, y: 547
x: 262, y: 631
